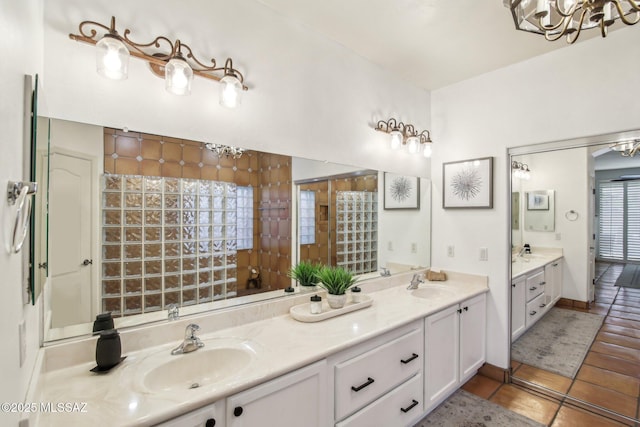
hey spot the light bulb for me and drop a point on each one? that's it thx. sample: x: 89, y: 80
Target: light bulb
x: 427, y: 150
x: 112, y: 58
x: 396, y: 139
x: 230, y: 91
x: 414, y: 144
x: 178, y: 76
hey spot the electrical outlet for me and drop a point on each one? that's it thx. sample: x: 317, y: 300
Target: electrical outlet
x: 450, y: 251
x: 22, y: 339
x: 390, y: 246
x: 414, y: 248
x: 484, y: 254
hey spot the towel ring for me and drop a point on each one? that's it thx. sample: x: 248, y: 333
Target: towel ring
x: 21, y: 225
x: 571, y: 215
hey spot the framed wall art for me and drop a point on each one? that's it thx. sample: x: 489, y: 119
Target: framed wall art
x: 468, y: 184
x: 401, y: 192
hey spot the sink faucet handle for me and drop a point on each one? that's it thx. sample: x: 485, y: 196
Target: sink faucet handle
x: 173, y: 312
x: 190, y: 331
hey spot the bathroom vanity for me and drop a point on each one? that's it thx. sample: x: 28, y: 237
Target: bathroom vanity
x: 409, y: 350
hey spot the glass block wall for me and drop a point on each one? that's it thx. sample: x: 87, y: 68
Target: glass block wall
x: 307, y: 217
x: 357, y: 231
x: 166, y: 241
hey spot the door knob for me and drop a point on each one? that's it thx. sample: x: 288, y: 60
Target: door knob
x: 87, y: 262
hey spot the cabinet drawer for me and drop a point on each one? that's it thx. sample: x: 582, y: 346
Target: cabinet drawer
x: 535, y: 285
x: 535, y: 309
x: 364, y: 378
x: 397, y: 408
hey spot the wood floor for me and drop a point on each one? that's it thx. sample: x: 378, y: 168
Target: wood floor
x: 609, y: 376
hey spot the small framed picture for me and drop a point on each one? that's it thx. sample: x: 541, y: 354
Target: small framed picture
x: 537, y: 202
x: 401, y: 192
x: 468, y: 184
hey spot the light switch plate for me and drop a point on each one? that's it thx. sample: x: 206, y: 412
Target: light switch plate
x: 484, y: 254
x: 414, y: 248
x: 451, y: 251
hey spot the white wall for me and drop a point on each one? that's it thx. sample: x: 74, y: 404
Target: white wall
x: 549, y: 172
x: 578, y: 90
x: 309, y: 97
x: 20, y: 48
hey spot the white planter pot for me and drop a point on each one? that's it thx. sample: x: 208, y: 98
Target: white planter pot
x: 336, y: 301
x: 307, y: 289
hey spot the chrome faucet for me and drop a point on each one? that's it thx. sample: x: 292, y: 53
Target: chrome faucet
x: 385, y: 272
x: 191, y: 341
x: 415, y: 281
x: 173, y: 312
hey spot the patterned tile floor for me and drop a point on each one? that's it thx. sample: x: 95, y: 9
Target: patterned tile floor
x: 609, y: 376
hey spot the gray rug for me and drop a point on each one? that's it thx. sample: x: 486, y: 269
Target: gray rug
x: 464, y: 409
x: 630, y: 276
x: 558, y: 342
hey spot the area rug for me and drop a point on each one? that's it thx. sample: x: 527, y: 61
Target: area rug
x: 630, y: 276
x: 558, y: 342
x: 464, y: 409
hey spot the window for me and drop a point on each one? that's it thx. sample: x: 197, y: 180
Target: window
x: 619, y: 220
x: 245, y: 218
x: 307, y: 217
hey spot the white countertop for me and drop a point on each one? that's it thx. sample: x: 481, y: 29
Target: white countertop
x: 281, y: 345
x: 539, y: 257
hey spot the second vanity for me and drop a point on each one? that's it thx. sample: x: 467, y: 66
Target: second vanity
x: 409, y: 351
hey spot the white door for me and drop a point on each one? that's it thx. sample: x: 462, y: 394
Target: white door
x: 70, y: 223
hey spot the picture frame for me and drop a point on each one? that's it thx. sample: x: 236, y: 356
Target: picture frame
x: 537, y: 202
x: 468, y: 184
x: 401, y: 191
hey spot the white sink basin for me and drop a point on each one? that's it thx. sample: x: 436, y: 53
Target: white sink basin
x: 432, y: 291
x: 217, y: 361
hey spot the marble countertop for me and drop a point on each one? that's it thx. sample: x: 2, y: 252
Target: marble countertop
x: 278, y: 345
x: 539, y: 257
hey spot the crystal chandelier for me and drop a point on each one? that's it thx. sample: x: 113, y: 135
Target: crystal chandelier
x: 557, y: 18
x: 225, y: 150
x: 626, y: 148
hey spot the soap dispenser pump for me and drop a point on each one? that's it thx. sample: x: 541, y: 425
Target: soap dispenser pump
x: 108, y: 350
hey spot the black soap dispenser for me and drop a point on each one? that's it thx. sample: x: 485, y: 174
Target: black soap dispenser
x: 108, y: 350
x: 103, y: 322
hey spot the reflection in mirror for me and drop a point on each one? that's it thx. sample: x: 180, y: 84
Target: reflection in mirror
x: 539, y: 210
x: 516, y: 232
x: 141, y: 221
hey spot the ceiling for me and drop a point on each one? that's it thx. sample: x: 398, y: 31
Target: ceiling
x: 430, y: 43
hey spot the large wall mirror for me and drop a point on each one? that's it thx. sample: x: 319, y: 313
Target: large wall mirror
x: 139, y: 221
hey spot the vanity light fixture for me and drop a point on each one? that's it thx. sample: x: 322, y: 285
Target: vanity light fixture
x: 626, y: 148
x: 520, y: 170
x: 557, y: 18
x: 406, y: 134
x: 225, y: 150
x: 174, y: 61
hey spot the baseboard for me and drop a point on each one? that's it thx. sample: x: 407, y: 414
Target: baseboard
x: 571, y: 303
x: 495, y: 373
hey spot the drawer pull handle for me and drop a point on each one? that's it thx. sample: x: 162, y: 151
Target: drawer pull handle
x: 543, y: 305
x: 533, y: 288
x: 555, y: 265
x: 410, y: 407
x: 543, y: 283
x: 360, y: 387
x: 413, y: 357
x: 533, y: 313
x: 459, y: 310
x: 466, y: 308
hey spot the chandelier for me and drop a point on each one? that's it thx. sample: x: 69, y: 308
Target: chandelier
x: 520, y: 170
x: 225, y: 150
x: 173, y: 61
x: 557, y: 18
x: 626, y: 148
x: 406, y: 135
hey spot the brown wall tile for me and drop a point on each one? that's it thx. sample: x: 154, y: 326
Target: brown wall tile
x: 192, y: 154
x: 127, y: 146
x: 151, y: 149
x: 127, y: 166
x: 171, y: 152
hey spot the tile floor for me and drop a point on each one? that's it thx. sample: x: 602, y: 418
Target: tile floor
x: 609, y: 376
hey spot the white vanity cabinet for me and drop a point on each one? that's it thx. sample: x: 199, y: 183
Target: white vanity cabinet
x: 454, y: 347
x: 553, y: 279
x: 377, y: 379
x: 296, y: 399
x: 210, y: 416
x: 518, y: 306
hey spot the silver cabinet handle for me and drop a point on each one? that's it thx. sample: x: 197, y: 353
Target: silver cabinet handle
x: 533, y: 288
x: 543, y: 283
x: 533, y: 313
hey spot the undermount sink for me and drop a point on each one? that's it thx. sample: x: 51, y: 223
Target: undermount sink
x: 217, y: 361
x: 432, y: 291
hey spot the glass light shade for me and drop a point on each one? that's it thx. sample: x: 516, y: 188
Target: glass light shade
x: 414, y: 144
x: 178, y: 76
x: 396, y: 139
x: 230, y: 91
x: 112, y: 58
x: 426, y: 151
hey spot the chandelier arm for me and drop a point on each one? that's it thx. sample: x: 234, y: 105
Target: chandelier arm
x: 573, y: 9
x: 634, y: 5
x: 579, y: 30
x: 382, y: 126
x: 561, y: 33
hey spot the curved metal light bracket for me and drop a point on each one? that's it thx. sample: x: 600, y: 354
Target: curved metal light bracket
x: 157, y: 52
x: 407, y: 130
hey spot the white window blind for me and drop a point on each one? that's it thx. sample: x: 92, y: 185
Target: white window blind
x: 633, y: 220
x: 611, y: 221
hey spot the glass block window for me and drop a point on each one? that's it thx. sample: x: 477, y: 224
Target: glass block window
x: 307, y: 217
x: 166, y: 241
x: 357, y: 231
x: 245, y: 218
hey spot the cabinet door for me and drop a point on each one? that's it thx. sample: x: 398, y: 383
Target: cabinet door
x: 209, y: 416
x: 518, y: 304
x: 441, y: 355
x: 472, y: 335
x: 292, y: 400
x: 557, y: 280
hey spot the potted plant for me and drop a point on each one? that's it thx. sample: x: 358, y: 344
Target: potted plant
x: 306, y: 274
x: 336, y: 281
